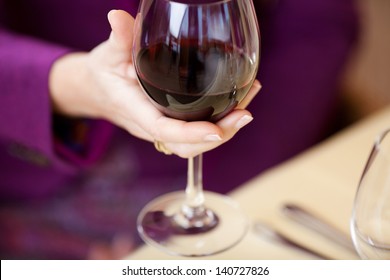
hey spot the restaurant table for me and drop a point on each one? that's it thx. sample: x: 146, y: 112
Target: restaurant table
x: 323, y: 179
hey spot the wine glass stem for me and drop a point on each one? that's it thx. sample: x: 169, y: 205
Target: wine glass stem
x: 194, y: 217
x: 194, y: 189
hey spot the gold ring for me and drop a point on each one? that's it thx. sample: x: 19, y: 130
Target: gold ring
x: 161, y: 148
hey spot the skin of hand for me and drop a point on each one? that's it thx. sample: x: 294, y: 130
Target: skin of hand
x: 102, y: 84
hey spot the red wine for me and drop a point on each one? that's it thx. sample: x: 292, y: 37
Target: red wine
x: 194, y: 83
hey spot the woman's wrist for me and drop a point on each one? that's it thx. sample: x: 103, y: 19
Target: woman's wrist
x: 68, y: 83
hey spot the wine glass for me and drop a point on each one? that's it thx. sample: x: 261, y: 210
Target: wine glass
x: 196, y: 60
x: 370, y: 223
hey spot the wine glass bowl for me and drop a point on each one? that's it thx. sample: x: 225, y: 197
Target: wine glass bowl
x: 196, y: 60
x: 370, y: 222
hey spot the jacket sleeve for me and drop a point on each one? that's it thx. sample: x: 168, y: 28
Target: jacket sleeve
x: 25, y: 105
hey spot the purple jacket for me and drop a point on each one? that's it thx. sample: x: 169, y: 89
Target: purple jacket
x: 305, y: 44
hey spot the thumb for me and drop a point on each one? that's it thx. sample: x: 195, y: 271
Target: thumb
x: 121, y: 37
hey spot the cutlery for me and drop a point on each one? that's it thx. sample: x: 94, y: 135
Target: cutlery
x: 317, y: 224
x: 270, y: 234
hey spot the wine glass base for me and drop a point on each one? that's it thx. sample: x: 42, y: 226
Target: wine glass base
x: 222, y: 225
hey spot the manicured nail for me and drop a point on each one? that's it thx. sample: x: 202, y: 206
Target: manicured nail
x: 212, y: 138
x: 109, y: 15
x: 244, y: 121
x: 256, y: 83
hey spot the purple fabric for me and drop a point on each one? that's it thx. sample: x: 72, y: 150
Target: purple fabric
x: 305, y: 44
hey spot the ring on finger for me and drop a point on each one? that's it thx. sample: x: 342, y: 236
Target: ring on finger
x: 161, y: 147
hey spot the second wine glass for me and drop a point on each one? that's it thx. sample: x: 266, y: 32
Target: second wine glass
x: 196, y: 60
x: 370, y: 222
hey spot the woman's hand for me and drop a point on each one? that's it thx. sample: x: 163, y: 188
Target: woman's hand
x: 103, y: 84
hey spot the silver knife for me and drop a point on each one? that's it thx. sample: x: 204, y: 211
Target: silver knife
x: 315, y: 223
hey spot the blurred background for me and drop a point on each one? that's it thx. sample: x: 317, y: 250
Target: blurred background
x: 366, y: 86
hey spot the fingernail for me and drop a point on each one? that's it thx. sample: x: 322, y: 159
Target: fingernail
x: 244, y: 121
x: 109, y: 15
x: 256, y: 83
x: 257, y: 86
x: 212, y: 138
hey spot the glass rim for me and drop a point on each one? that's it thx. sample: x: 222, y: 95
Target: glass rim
x: 380, y: 137
x: 206, y: 3
x: 375, y: 149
